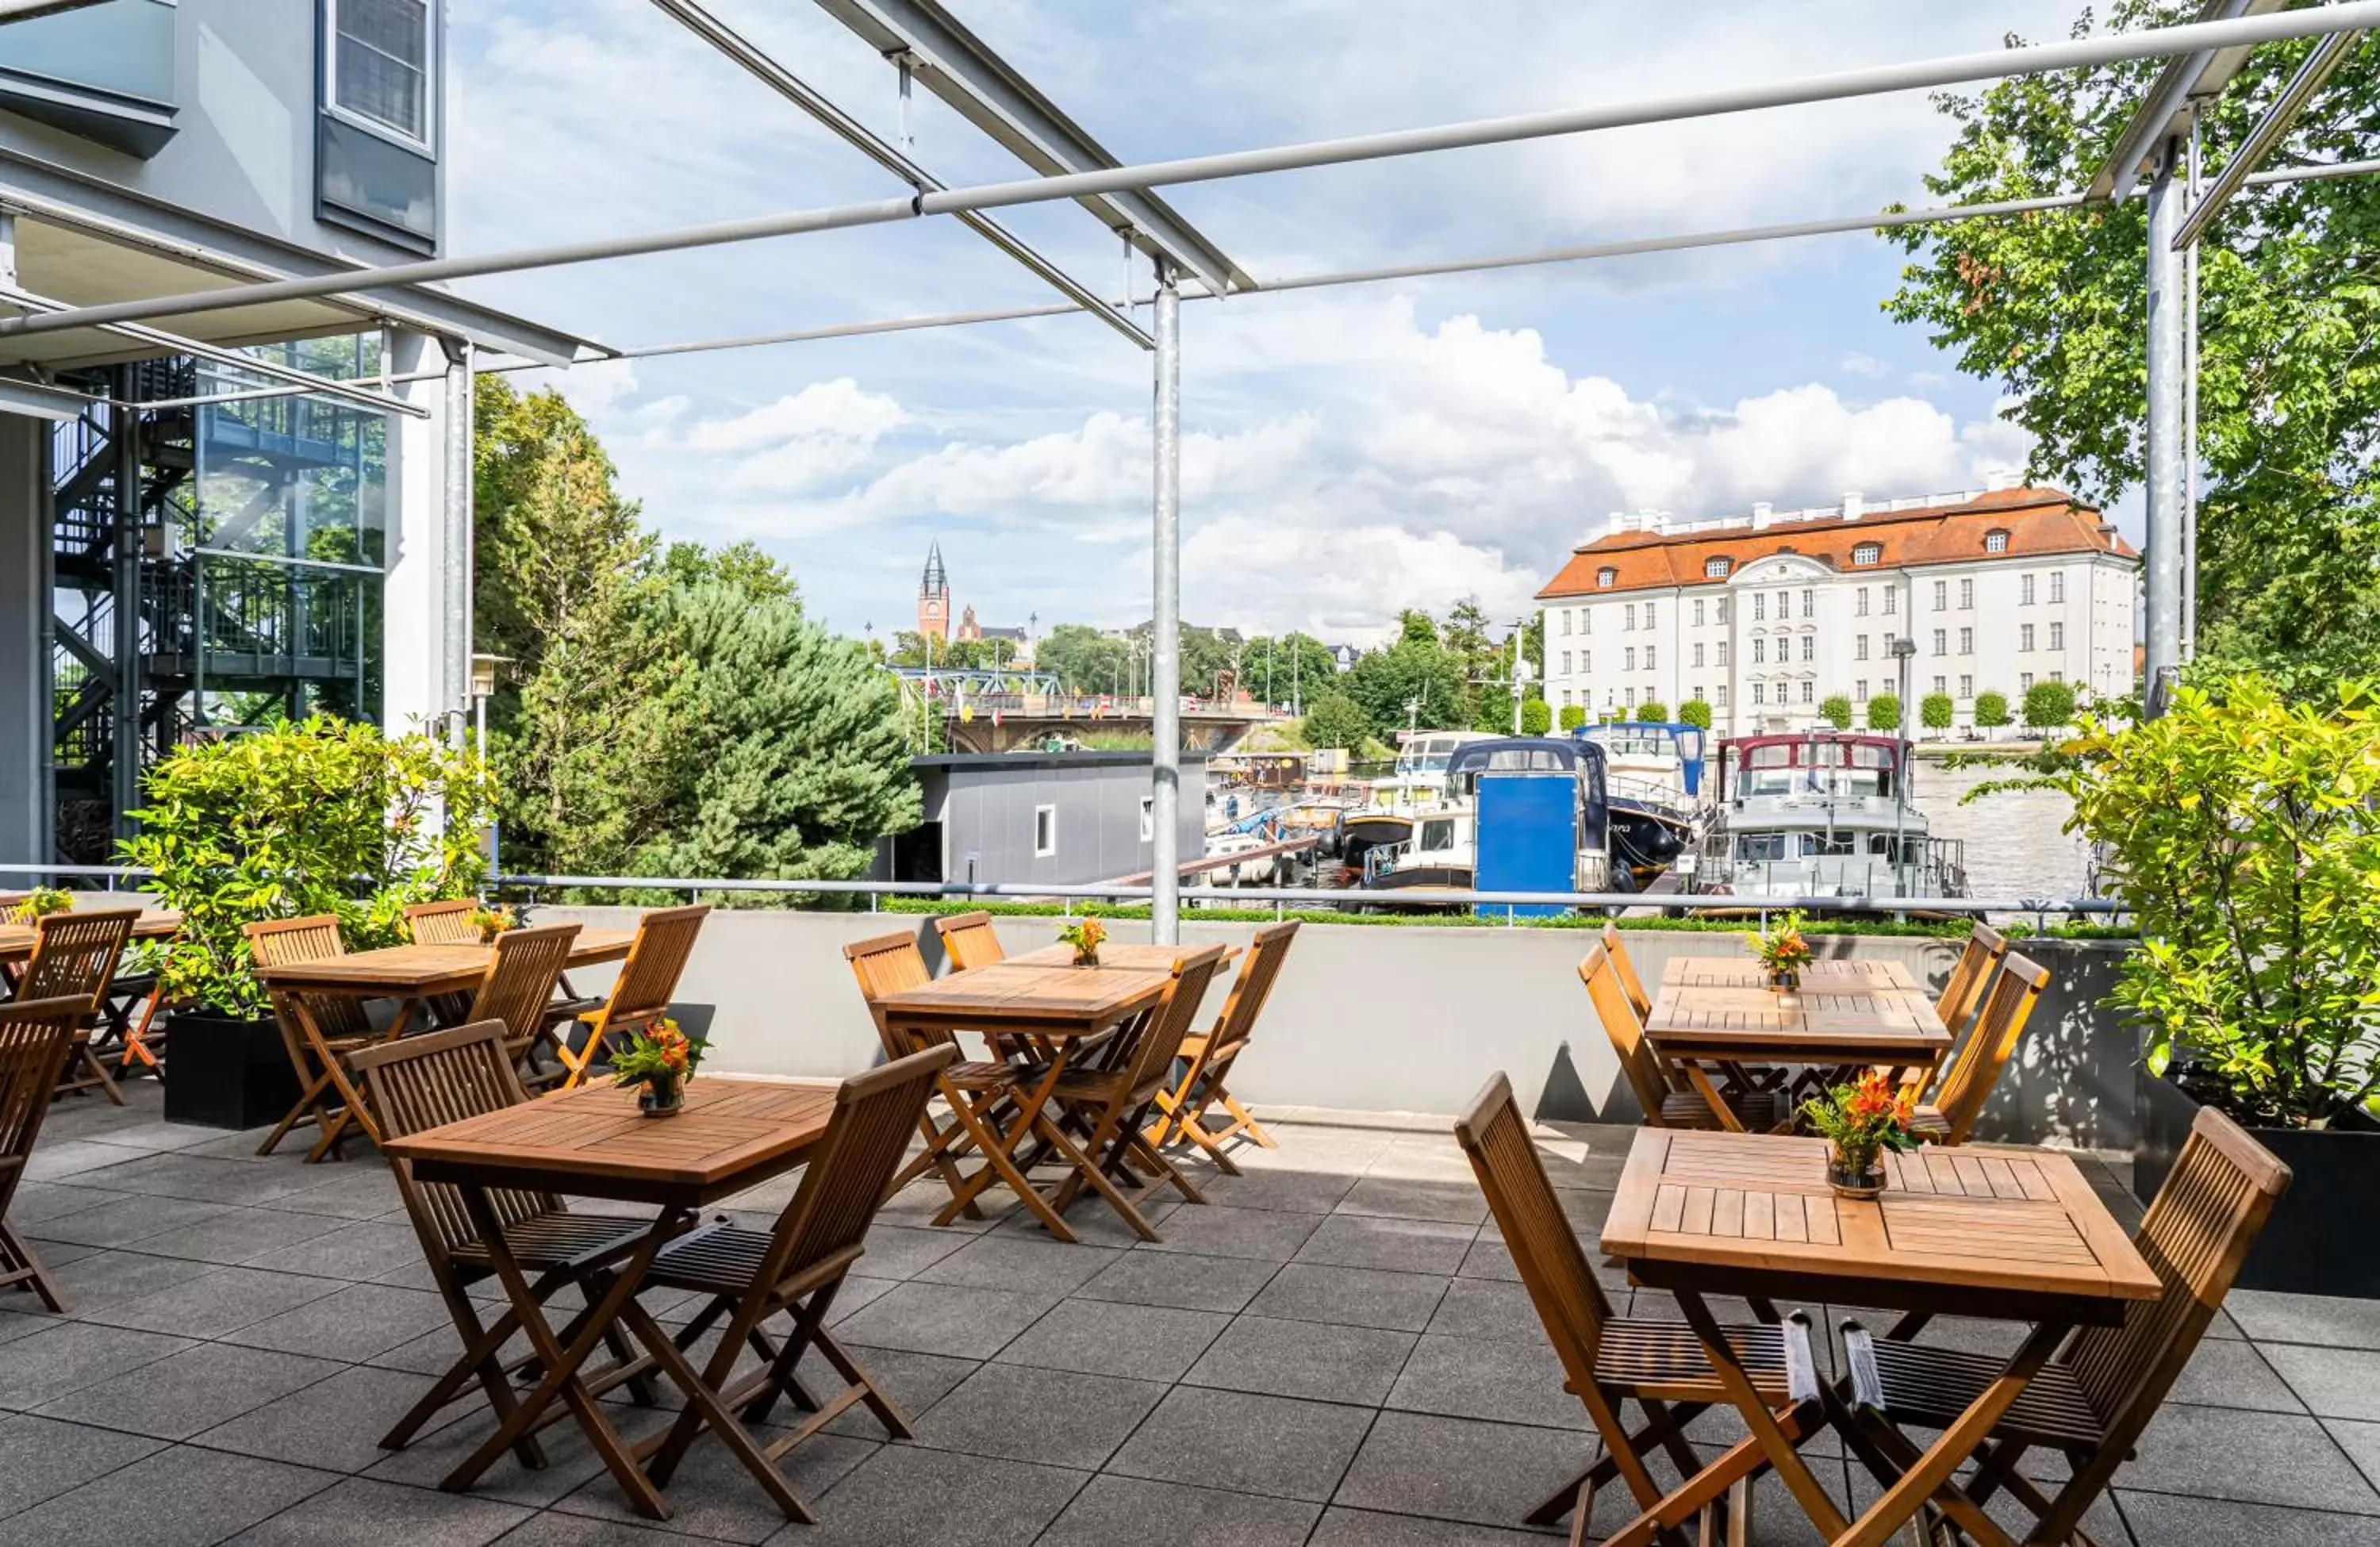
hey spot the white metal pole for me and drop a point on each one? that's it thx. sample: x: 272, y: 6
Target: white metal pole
x: 2190, y: 423
x: 1165, y: 642
x: 455, y: 677
x: 2167, y: 451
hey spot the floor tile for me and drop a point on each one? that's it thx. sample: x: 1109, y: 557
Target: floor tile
x: 953, y: 1318
x: 362, y: 1249
x: 1501, y: 1379
x: 910, y: 1496
x: 221, y: 1301
x: 1264, y: 1235
x: 1180, y: 1279
x: 1104, y: 1337
x: 1059, y: 1417
x: 36, y: 1201
x: 1351, y: 1296
x: 1044, y: 1267
x: 189, y: 1392
x: 569, y: 1459
x: 712, y: 1496
x: 41, y: 1457
x: 124, y: 1221
x: 357, y: 1512
x: 73, y: 1355
x: 2231, y: 1374
x: 91, y: 1281
x: 1295, y: 1192
x: 1456, y: 1202
x: 239, y: 1235
x: 898, y: 1251
x: 2362, y: 1442
x: 1361, y: 1527
x: 2324, y: 1322
x: 2275, y: 1458
x: 176, y: 1497
x: 1120, y: 1509
x: 2174, y: 1520
x: 1459, y: 1470
x: 2334, y: 1383
x: 1304, y: 1359
x: 1245, y: 1444
x: 335, y: 1423
x: 1410, y: 1246
x: 1488, y: 1308
x: 354, y: 1322
x: 914, y: 1382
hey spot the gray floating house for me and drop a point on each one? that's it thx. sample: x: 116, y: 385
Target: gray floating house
x: 1057, y: 817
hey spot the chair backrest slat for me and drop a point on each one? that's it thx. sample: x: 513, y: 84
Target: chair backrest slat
x: 438, y: 1078
x: 1546, y: 1252
x: 648, y: 978
x: 1160, y: 1042
x: 519, y: 984
x: 36, y: 1035
x: 1637, y: 1059
x: 2196, y: 1234
x: 1617, y: 949
x: 284, y: 942
x: 969, y: 940
x: 875, y: 1116
x: 75, y: 954
x: 885, y: 965
x: 1249, y: 991
x: 2016, y: 988
x: 1982, y: 951
x: 445, y: 923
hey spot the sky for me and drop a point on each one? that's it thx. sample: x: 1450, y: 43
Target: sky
x: 1347, y: 453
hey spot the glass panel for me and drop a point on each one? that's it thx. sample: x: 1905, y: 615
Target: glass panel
x: 382, y: 53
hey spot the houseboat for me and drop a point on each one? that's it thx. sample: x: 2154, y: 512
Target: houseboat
x: 1824, y: 814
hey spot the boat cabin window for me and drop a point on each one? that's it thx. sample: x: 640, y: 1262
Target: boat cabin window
x: 1438, y: 834
x: 1760, y: 845
x: 1913, y: 851
x: 1829, y: 843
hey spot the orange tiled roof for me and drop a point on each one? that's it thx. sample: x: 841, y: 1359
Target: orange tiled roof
x: 2038, y: 521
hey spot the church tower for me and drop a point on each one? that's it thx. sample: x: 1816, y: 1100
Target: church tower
x: 934, y: 598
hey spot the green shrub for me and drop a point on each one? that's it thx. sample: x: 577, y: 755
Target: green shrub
x: 1836, y: 710
x: 1936, y: 712
x: 2048, y: 705
x: 1336, y: 720
x: 1652, y: 710
x: 1572, y: 717
x: 1694, y: 712
x: 1884, y: 712
x: 1991, y: 709
x: 1537, y: 717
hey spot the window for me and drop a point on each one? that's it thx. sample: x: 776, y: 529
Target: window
x: 1966, y: 595
x: 1759, y: 693
x: 1809, y: 604
x: 1784, y: 605
x: 2058, y: 677
x: 2024, y: 637
x: 1715, y: 569
x: 1809, y: 691
x: 1888, y: 644
x: 1607, y: 576
x: 1565, y: 663
x: 1698, y: 660
x: 1941, y: 594
x: 2057, y: 636
x: 1632, y: 658
x: 1859, y: 648
x: 1629, y: 698
x: 1147, y: 819
x: 1722, y: 652
x: 1942, y: 685
x: 1966, y: 641
x: 1698, y: 612
x: 1996, y: 541
x: 1720, y: 701
x: 1859, y: 690
x: 379, y: 64
x: 2024, y: 682
x: 1941, y: 641
x: 1649, y: 615
x: 1867, y: 552
x: 1045, y: 832
x: 1966, y: 687
x: 1861, y: 608
x: 1760, y: 652
x: 1809, y: 647
x: 1586, y: 620
x: 1630, y: 620
x: 1759, y: 606
x: 1648, y: 658
x: 1565, y: 618
x: 2024, y: 590
x: 1586, y: 662
x: 1696, y: 691
x: 1721, y: 611
x: 2058, y: 585
x: 1891, y: 600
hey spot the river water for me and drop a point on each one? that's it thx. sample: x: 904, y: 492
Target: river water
x: 2016, y: 842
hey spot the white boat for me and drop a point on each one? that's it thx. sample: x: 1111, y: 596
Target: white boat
x: 1823, y: 815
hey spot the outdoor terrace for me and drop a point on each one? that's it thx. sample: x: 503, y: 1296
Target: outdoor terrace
x: 1333, y: 1352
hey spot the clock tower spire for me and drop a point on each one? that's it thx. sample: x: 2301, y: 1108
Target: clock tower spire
x: 934, y: 597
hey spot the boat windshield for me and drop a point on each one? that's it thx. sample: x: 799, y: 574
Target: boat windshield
x: 1817, y: 768
x: 1435, y: 833
x: 1634, y: 744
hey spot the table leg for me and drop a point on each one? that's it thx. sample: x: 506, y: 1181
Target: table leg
x: 1774, y: 1445
x: 561, y: 1364
x: 1699, y: 1077
x: 1000, y: 1163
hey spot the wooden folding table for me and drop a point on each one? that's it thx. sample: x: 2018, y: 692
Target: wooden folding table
x: 2012, y: 1234
x: 592, y: 1142
x: 1057, y: 1007
x: 1714, y: 1017
x: 413, y: 974
x: 17, y: 940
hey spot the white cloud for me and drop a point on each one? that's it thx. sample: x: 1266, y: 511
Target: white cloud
x: 1856, y: 363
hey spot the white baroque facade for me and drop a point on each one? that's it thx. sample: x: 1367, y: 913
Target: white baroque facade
x: 1765, y: 617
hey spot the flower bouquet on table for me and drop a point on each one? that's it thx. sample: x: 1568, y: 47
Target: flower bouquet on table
x: 1783, y: 951
x: 40, y: 903
x: 493, y: 921
x: 661, y: 1058
x: 1084, y: 935
x: 1861, y: 1121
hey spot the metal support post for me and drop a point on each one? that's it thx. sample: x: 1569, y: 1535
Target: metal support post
x: 123, y: 708
x: 2166, y: 415
x: 455, y: 676
x: 2190, y: 421
x: 1165, y: 627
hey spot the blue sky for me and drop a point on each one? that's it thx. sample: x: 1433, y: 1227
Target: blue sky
x: 1350, y: 453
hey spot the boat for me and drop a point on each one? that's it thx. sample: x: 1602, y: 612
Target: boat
x: 1824, y: 814
x: 1653, y: 770
x: 1439, y: 851
x: 1542, y: 817
x: 1263, y: 871
x: 1419, y: 777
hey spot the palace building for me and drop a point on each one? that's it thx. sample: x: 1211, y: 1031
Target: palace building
x: 1764, y: 616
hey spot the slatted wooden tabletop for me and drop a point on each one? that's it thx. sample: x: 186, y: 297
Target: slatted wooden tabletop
x: 1718, y: 1007
x: 1057, y: 1001
x: 1747, y: 1206
x: 1847, y: 975
x: 594, y: 1142
x: 17, y: 940
x: 1112, y: 957
x: 419, y: 972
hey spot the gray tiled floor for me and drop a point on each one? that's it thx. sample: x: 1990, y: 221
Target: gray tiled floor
x: 1335, y: 1353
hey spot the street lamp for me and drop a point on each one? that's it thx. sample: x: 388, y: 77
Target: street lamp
x: 1902, y: 650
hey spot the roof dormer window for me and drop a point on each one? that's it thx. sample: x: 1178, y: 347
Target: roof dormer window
x: 1607, y: 577
x: 1867, y: 552
x: 1996, y: 541
x: 1716, y: 568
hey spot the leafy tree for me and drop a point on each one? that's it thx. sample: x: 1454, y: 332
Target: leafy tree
x: 1694, y: 712
x: 1085, y: 660
x: 1937, y: 712
x: 1336, y: 720
x: 2051, y: 306
x: 1651, y: 710
x: 1290, y: 667
x: 1991, y: 709
x: 1836, y: 710
x: 741, y: 564
x: 1572, y: 717
x: 2048, y: 705
x: 1416, y: 669
x: 1884, y: 712
x: 1537, y: 717
x: 1415, y: 626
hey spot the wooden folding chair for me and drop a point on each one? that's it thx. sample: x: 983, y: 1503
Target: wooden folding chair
x: 129, y: 1035
x: 2092, y: 1400
x: 886, y: 964
x: 1182, y: 1111
x: 794, y: 1270
x: 444, y: 923
x: 1669, y: 1099
x: 1660, y: 1366
x: 433, y: 1078
x: 2016, y: 988
x: 1111, y: 1107
x: 74, y: 955
x: 642, y: 994
x: 969, y: 941
x: 1630, y: 980
x: 318, y: 1032
x: 1982, y: 952
x: 37, y: 1037
x: 518, y: 988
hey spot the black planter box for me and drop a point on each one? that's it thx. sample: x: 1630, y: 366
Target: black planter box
x: 226, y: 1072
x: 2314, y: 1244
